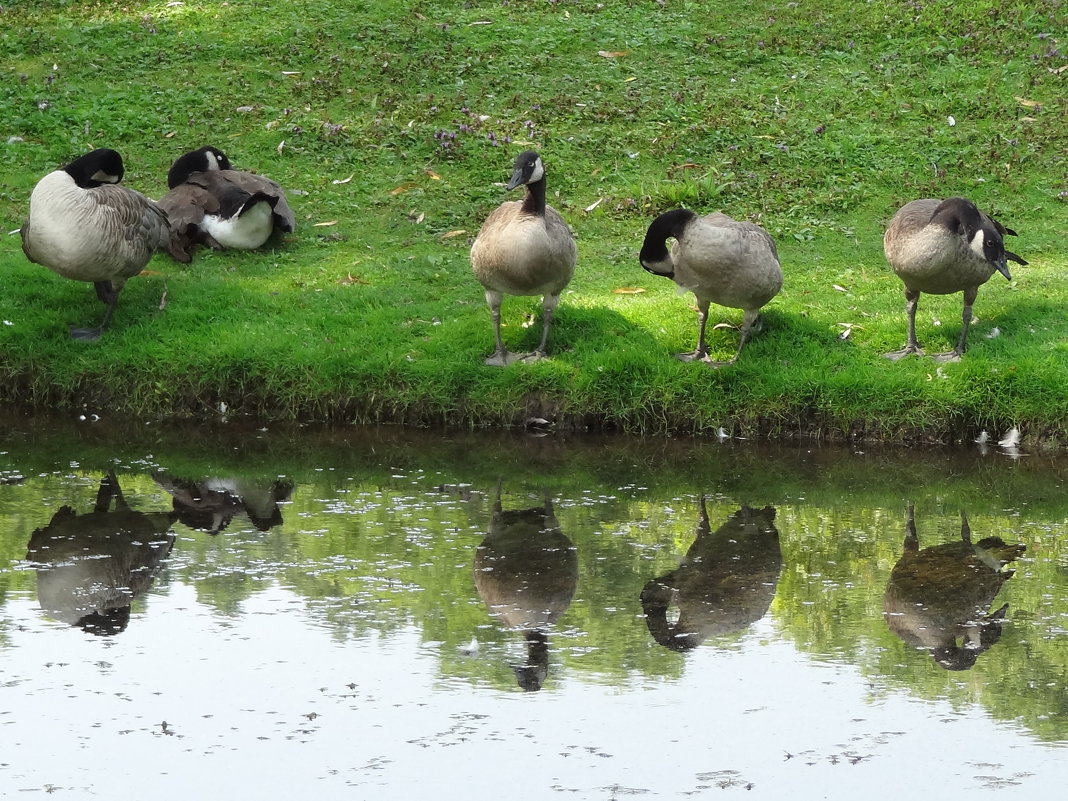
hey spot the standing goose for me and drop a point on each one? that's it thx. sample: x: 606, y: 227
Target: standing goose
x: 941, y: 247
x: 211, y: 204
x: 83, y: 226
x: 720, y: 260
x: 524, y: 248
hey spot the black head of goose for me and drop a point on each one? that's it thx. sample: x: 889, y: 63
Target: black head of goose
x: 84, y: 226
x: 719, y: 259
x: 941, y: 247
x: 524, y: 248
x: 211, y: 204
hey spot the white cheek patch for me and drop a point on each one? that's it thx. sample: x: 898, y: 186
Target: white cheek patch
x: 213, y: 161
x: 538, y: 173
x: 976, y: 245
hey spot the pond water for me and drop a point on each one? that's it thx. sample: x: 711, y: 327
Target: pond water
x: 388, y: 614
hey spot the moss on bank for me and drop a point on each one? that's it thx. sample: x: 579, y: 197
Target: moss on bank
x: 396, y: 124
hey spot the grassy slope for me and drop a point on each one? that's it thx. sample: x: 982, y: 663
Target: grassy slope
x: 816, y: 123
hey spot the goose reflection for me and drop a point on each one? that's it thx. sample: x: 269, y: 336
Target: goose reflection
x: 211, y: 504
x: 91, y: 566
x: 726, y: 581
x: 939, y: 598
x: 526, y: 572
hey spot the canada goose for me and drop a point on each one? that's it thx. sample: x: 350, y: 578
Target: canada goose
x: 526, y: 572
x: 938, y: 598
x: 726, y: 581
x: 720, y: 260
x: 211, y: 504
x: 524, y: 248
x: 211, y: 204
x: 83, y: 226
x: 941, y: 247
x: 91, y: 566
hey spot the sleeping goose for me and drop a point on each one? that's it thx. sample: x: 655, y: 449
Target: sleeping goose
x: 211, y: 204
x: 524, y: 248
x: 941, y: 247
x: 720, y: 260
x: 83, y: 226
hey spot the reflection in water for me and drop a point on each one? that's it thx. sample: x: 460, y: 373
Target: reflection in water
x: 91, y: 566
x: 210, y: 504
x: 939, y: 598
x: 526, y: 571
x: 726, y: 581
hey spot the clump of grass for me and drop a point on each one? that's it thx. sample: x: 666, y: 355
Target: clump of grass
x: 396, y: 126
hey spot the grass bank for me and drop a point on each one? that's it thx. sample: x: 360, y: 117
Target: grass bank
x: 396, y: 125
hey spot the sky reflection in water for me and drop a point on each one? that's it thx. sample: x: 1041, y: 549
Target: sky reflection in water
x: 656, y: 619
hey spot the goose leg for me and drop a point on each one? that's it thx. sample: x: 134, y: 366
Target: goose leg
x: 107, y: 293
x: 701, y: 352
x: 751, y: 323
x: 912, y: 297
x: 548, y: 305
x: 500, y: 357
x: 954, y: 355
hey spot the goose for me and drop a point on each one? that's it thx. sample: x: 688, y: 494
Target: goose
x: 83, y: 226
x: 720, y: 260
x: 725, y: 583
x: 526, y: 572
x: 211, y: 204
x: 91, y: 566
x: 938, y: 598
x: 941, y: 247
x: 524, y: 248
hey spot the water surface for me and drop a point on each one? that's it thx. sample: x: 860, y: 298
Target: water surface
x: 385, y: 614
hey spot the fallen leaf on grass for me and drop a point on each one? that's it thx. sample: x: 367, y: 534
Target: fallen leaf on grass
x: 351, y: 279
x: 324, y: 224
x: 613, y: 53
x: 594, y: 205
x: 343, y: 180
x: 451, y: 234
x: 839, y: 288
x: 402, y: 188
x: 163, y: 301
x: 433, y: 175
x: 281, y: 145
x: 628, y: 290
x: 1023, y: 101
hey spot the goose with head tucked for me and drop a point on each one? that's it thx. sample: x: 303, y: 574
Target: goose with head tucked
x: 721, y: 260
x: 941, y: 247
x: 524, y: 248
x: 211, y: 204
x: 84, y: 226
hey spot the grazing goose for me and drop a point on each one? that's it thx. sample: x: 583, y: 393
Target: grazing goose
x: 524, y: 248
x: 83, y: 226
x: 720, y: 260
x: 211, y: 204
x: 941, y: 247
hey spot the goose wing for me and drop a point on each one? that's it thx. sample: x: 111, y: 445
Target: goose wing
x: 250, y: 183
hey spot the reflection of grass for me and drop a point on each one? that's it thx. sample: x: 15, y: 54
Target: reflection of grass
x: 816, y: 121
x: 382, y: 526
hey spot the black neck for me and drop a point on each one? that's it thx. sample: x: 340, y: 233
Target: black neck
x: 534, y: 199
x: 669, y: 224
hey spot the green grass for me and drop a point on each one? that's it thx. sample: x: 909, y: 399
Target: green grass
x: 815, y: 121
